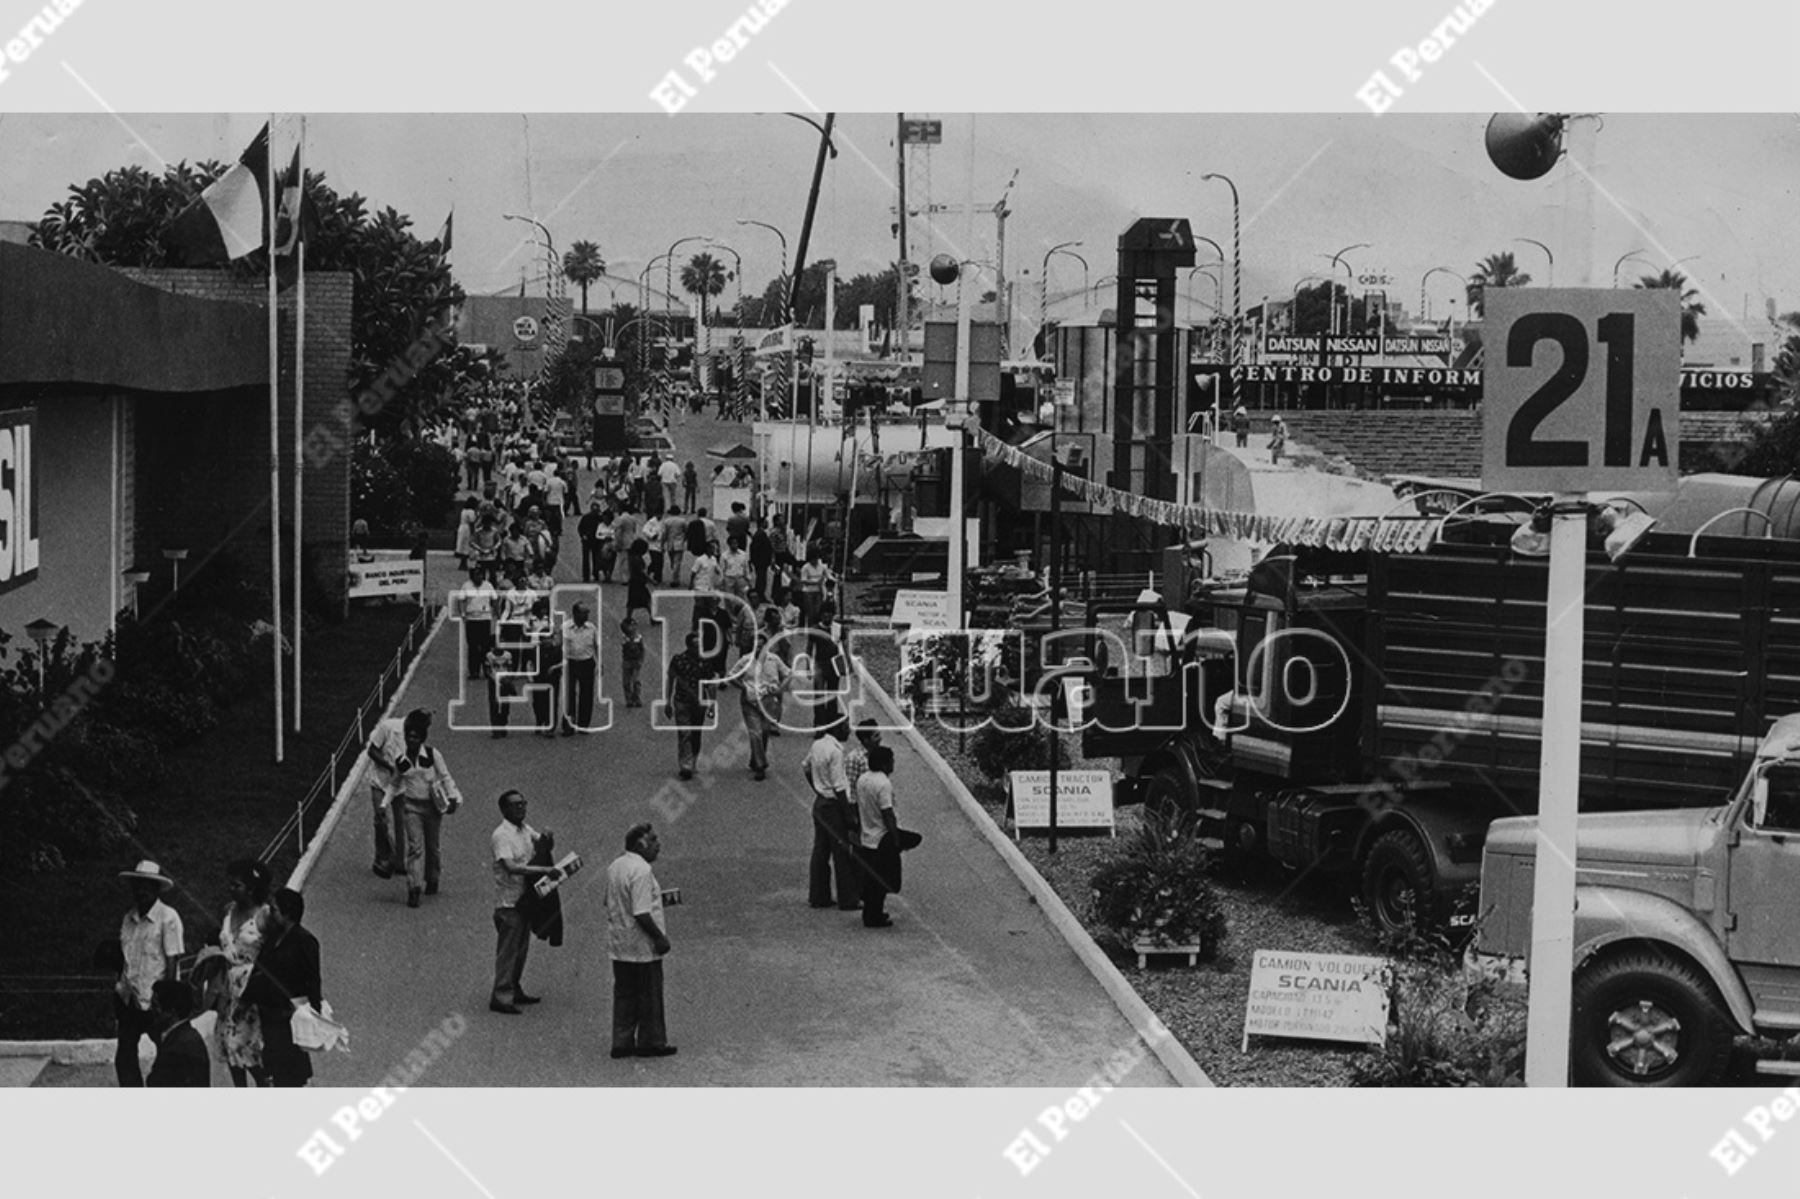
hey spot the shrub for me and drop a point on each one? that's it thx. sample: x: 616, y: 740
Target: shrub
x: 120, y: 759
x: 379, y: 493
x: 1011, y: 741
x: 1156, y: 887
x: 1447, y: 1026
x: 50, y: 817
x: 169, y: 715
x: 430, y: 474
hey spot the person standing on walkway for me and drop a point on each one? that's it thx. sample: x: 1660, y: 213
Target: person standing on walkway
x: 1240, y: 425
x: 814, y: 577
x: 637, y: 580
x: 652, y: 533
x: 581, y: 661
x: 426, y: 793
x: 476, y: 599
x: 762, y: 556
x: 514, y: 844
x: 387, y: 746
x: 856, y: 757
x: 638, y: 942
x: 182, y: 1059
x: 150, y: 937
x: 587, y: 531
x: 671, y: 476
x: 690, y: 486
x: 1277, y: 439
x: 631, y: 663
x: 286, y: 972
x: 241, y: 933
x: 686, y: 672
x: 878, y: 846
x: 627, y: 526
x: 674, y: 541
x: 762, y: 682
x: 503, y: 685
x: 833, y: 821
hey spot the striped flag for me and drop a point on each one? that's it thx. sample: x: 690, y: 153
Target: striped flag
x: 443, y: 237
x: 296, y: 220
x: 229, y: 219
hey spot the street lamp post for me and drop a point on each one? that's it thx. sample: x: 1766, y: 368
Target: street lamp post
x: 1044, y: 285
x: 1548, y: 256
x: 1237, y: 282
x: 1218, y: 290
x: 42, y: 632
x: 784, y: 271
x: 1084, y: 275
x: 1424, y: 309
x: 1620, y: 263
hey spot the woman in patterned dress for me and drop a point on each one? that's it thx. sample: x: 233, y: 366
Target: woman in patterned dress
x: 241, y: 937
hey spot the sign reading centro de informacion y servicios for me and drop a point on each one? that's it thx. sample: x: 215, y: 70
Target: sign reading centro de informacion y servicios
x: 1317, y: 996
x: 19, y: 523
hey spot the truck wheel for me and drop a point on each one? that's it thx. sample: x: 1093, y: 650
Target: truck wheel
x: 1166, y: 793
x: 1642, y: 1019
x: 1399, y: 884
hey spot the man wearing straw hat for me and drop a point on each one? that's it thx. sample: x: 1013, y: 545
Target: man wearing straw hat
x: 150, y: 938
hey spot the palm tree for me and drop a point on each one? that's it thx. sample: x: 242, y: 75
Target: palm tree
x: 704, y: 276
x: 582, y: 265
x: 1691, y: 307
x: 1496, y: 270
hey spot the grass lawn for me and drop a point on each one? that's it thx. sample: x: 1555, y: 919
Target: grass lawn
x: 221, y: 798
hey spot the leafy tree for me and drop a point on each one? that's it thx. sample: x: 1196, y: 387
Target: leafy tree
x: 704, y: 276
x: 404, y: 288
x: 1313, y: 307
x: 582, y: 265
x: 1496, y: 270
x: 852, y: 294
x: 1691, y: 307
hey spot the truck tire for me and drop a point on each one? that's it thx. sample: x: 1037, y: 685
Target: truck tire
x: 1643, y: 1019
x: 1399, y: 885
x: 1166, y: 794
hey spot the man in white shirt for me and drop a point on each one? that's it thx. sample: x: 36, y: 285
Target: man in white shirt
x: 514, y: 844
x: 426, y: 794
x: 581, y: 660
x: 150, y: 939
x: 670, y: 474
x: 878, y: 848
x: 834, y: 819
x: 638, y: 942
x: 477, y: 599
x: 387, y: 745
x: 762, y: 684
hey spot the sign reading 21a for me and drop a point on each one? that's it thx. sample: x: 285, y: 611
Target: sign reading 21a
x: 1581, y: 389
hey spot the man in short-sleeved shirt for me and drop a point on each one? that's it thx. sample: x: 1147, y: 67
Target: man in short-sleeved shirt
x: 514, y: 842
x: 834, y: 822
x: 637, y: 943
x: 150, y: 938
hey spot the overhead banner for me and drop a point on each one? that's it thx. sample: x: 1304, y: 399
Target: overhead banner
x: 1442, y: 376
x: 1315, y: 344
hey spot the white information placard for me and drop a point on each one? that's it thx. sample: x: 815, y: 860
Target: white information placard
x: 1317, y: 996
x: 1084, y: 799
x: 386, y: 578
x: 921, y: 609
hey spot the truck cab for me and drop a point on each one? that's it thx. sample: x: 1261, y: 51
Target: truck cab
x: 1684, y: 925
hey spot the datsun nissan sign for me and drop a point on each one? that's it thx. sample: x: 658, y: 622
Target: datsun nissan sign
x: 19, y: 524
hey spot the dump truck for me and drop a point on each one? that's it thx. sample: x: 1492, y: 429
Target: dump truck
x: 1370, y: 715
x: 1684, y: 929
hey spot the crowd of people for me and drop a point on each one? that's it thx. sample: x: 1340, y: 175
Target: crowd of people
x: 242, y: 998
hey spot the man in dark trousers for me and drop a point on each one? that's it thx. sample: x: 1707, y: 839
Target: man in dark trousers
x: 638, y: 942
x: 286, y: 970
x: 181, y: 1056
x: 762, y: 556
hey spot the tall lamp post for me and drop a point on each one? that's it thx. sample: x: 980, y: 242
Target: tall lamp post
x: 1084, y: 275
x: 784, y: 270
x: 1237, y: 281
x: 1048, y: 411
x: 1621, y: 262
x: 1044, y: 286
x: 42, y: 632
x: 1424, y: 307
x: 1548, y: 257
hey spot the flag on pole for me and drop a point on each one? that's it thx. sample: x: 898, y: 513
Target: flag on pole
x: 443, y: 237
x: 295, y: 219
x: 227, y: 221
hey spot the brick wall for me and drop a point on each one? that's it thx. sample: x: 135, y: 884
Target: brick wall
x: 203, y: 461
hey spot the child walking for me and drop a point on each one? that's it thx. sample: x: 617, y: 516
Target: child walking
x: 631, y: 657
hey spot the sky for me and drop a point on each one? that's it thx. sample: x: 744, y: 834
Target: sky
x: 1717, y: 190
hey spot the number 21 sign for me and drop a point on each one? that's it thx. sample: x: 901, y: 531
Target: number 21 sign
x: 1581, y: 389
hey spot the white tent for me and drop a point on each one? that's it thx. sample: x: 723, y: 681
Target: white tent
x: 816, y: 462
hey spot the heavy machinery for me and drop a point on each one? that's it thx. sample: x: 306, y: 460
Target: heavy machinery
x: 1371, y: 714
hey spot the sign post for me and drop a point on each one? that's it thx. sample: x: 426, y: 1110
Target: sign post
x: 1582, y: 394
x: 609, y: 410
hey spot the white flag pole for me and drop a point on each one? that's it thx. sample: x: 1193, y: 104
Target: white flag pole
x: 299, y: 396
x: 274, y: 437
